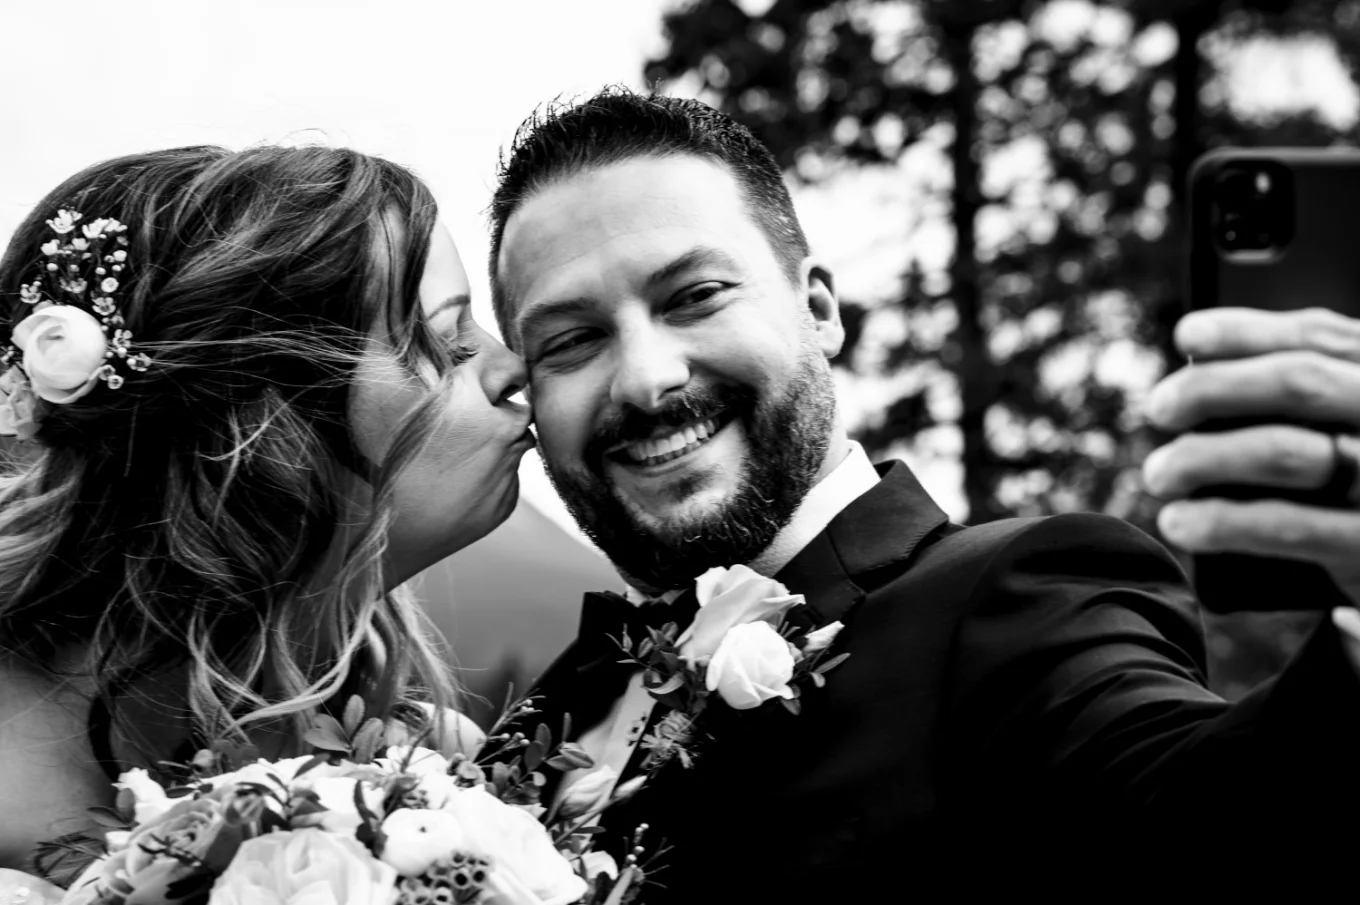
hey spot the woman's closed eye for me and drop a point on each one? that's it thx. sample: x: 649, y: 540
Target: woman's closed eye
x: 461, y: 352
x: 463, y: 346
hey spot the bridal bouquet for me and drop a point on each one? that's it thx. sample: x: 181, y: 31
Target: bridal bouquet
x: 356, y: 825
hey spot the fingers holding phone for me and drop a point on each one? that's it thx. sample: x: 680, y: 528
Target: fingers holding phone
x: 1228, y: 332
x: 1261, y: 482
x: 1294, y: 480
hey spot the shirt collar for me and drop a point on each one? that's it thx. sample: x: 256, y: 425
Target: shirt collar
x: 853, y: 477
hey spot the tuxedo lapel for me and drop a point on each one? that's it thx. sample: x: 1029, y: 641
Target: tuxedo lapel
x: 882, y: 528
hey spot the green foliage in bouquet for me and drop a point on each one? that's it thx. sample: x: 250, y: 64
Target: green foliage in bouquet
x: 372, y: 801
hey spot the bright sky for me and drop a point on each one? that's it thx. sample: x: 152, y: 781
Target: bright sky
x: 441, y: 86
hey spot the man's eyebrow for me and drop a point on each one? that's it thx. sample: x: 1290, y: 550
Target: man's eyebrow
x: 536, y: 314
x: 690, y: 260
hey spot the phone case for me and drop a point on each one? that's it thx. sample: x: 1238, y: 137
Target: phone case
x: 1314, y: 261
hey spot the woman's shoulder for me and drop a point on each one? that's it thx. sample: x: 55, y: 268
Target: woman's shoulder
x: 49, y: 778
x: 455, y: 733
x: 19, y: 888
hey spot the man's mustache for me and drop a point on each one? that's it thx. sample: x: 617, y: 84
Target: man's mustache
x: 630, y: 424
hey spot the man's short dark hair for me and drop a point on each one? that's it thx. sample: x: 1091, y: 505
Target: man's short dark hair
x: 619, y: 124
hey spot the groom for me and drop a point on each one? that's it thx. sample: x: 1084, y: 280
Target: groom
x: 1024, y: 702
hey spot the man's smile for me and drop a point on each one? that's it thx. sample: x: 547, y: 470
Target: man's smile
x: 667, y: 443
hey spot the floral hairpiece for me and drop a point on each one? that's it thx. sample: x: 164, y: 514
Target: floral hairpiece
x: 74, y: 337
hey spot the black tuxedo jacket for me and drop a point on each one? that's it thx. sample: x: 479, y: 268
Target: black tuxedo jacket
x: 1024, y: 708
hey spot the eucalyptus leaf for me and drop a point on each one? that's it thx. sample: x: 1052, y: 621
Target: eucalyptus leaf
x: 367, y: 741
x: 832, y: 663
x: 107, y: 818
x: 316, y: 761
x: 354, y: 715
x: 327, y: 734
x: 575, y: 755
x: 674, y: 683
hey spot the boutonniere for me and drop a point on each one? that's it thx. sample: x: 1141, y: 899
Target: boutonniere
x: 743, y: 647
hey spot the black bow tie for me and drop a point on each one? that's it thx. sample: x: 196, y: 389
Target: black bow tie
x: 606, y: 614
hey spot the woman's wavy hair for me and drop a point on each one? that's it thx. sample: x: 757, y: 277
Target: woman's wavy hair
x: 186, y: 523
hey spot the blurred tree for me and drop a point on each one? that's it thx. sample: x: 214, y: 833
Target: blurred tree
x: 1067, y: 128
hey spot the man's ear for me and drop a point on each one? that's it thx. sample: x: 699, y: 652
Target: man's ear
x: 823, y: 306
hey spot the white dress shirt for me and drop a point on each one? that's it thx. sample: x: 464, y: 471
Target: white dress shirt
x: 611, y: 742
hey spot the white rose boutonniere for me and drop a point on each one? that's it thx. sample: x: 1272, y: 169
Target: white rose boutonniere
x: 752, y: 665
x: 740, y: 647
x: 728, y: 598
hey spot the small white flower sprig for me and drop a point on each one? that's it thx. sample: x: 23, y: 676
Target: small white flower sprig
x: 75, y: 336
x: 741, y: 646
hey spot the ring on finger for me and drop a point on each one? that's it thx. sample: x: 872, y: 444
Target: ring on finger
x: 1345, y: 476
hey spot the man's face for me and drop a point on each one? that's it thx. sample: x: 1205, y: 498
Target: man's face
x: 680, y: 382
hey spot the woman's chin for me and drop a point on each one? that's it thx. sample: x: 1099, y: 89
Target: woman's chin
x: 406, y: 560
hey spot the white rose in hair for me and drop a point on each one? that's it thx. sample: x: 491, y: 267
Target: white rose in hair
x: 63, y: 350
x: 752, y: 665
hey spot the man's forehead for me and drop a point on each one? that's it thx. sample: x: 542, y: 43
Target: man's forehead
x: 575, y: 215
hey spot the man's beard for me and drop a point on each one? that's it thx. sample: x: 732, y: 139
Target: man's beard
x: 787, y: 439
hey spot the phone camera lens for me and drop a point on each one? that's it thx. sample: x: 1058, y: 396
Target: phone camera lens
x: 1246, y: 209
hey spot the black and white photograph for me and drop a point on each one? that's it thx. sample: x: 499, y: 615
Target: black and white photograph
x: 645, y: 452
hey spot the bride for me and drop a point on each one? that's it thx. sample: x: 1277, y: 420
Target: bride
x: 250, y: 401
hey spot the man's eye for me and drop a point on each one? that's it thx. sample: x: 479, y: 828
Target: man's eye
x: 566, y: 343
x: 697, y: 295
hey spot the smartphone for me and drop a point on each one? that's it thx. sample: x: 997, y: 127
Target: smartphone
x: 1279, y: 229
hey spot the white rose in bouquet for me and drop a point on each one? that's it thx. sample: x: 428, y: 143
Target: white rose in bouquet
x: 415, y: 838
x: 304, y: 867
x: 526, y: 868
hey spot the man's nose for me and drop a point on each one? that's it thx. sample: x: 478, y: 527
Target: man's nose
x: 650, y: 365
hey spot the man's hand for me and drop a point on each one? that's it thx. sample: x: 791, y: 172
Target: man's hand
x: 1275, y: 367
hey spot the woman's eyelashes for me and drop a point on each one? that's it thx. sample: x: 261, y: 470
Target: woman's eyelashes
x: 463, y: 344
x: 462, y: 352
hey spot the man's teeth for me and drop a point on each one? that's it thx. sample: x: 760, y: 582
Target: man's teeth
x: 656, y: 450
